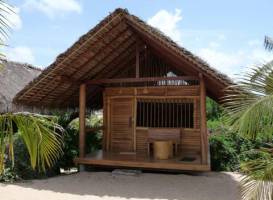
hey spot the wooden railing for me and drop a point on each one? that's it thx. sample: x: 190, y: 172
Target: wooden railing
x: 141, y: 80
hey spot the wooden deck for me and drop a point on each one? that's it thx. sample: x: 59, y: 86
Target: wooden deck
x: 132, y: 160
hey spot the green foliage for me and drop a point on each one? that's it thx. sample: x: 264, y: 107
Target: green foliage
x: 70, y: 140
x: 223, y: 155
x: 249, y: 104
x: 9, y: 175
x: 229, y: 149
x: 215, y: 119
x: 70, y: 122
x: 214, y: 111
x: 258, y: 182
x: 21, y: 168
x: 249, y: 109
x: 40, y: 134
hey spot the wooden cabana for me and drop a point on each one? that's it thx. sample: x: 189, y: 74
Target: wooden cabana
x: 152, y: 93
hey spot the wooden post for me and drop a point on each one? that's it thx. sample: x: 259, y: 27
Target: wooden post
x: 82, y: 108
x: 137, y: 58
x: 203, y: 121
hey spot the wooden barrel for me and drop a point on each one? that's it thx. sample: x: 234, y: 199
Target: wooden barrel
x: 163, y: 150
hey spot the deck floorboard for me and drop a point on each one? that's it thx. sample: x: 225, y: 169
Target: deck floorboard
x: 129, y: 159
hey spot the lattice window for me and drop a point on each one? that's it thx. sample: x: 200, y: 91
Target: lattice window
x: 168, y: 113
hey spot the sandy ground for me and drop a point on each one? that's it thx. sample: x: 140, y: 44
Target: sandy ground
x: 102, y: 185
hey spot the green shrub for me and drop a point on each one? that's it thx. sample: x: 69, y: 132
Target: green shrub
x: 223, y: 154
x: 69, y: 121
x: 9, y: 175
x: 228, y: 150
x: 22, y: 168
x: 214, y: 111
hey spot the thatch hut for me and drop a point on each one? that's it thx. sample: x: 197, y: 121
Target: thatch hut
x: 14, y: 77
x: 151, y: 90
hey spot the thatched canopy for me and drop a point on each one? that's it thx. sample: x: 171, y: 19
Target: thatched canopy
x: 105, y: 52
x: 13, y: 78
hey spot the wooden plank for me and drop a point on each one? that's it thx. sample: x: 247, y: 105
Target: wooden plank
x: 137, y: 58
x: 125, y: 44
x: 101, y: 50
x: 115, y: 160
x: 82, y: 108
x: 104, y: 109
x: 67, y: 79
x: 190, y: 141
x: 108, y: 130
x: 141, y: 140
x: 203, y: 122
x: 134, y: 114
x: 121, y: 124
x: 138, y: 80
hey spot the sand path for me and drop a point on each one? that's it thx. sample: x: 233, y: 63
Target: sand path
x: 102, y: 185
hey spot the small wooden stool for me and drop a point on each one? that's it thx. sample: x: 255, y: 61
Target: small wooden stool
x: 163, y: 134
x: 163, y: 150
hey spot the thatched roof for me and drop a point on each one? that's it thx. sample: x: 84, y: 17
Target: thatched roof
x: 102, y: 53
x: 14, y: 77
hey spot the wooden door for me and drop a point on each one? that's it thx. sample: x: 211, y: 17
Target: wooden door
x: 122, y: 124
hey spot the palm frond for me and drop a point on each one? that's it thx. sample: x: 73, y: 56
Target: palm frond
x: 258, y: 185
x: 41, y: 135
x: 268, y: 43
x: 6, y: 11
x: 250, y: 108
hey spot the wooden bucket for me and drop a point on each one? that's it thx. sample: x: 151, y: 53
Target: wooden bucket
x: 163, y: 150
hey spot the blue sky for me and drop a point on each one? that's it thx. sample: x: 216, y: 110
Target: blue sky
x: 227, y: 34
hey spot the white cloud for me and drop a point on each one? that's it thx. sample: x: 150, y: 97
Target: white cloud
x: 15, y: 19
x: 228, y: 63
x: 214, y: 44
x: 167, y: 22
x: 221, y: 37
x: 21, y: 54
x: 255, y: 42
x: 12, y: 15
x: 53, y: 8
x: 234, y: 63
x: 231, y: 63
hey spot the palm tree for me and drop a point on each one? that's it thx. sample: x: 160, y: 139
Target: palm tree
x: 6, y: 11
x: 249, y: 107
x: 41, y: 134
x: 268, y: 43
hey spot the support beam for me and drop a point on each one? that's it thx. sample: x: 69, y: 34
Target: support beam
x: 137, y: 58
x: 203, y: 121
x: 138, y: 80
x: 82, y: 109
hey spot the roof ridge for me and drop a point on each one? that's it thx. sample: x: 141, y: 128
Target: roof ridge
x: 23, y: 64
